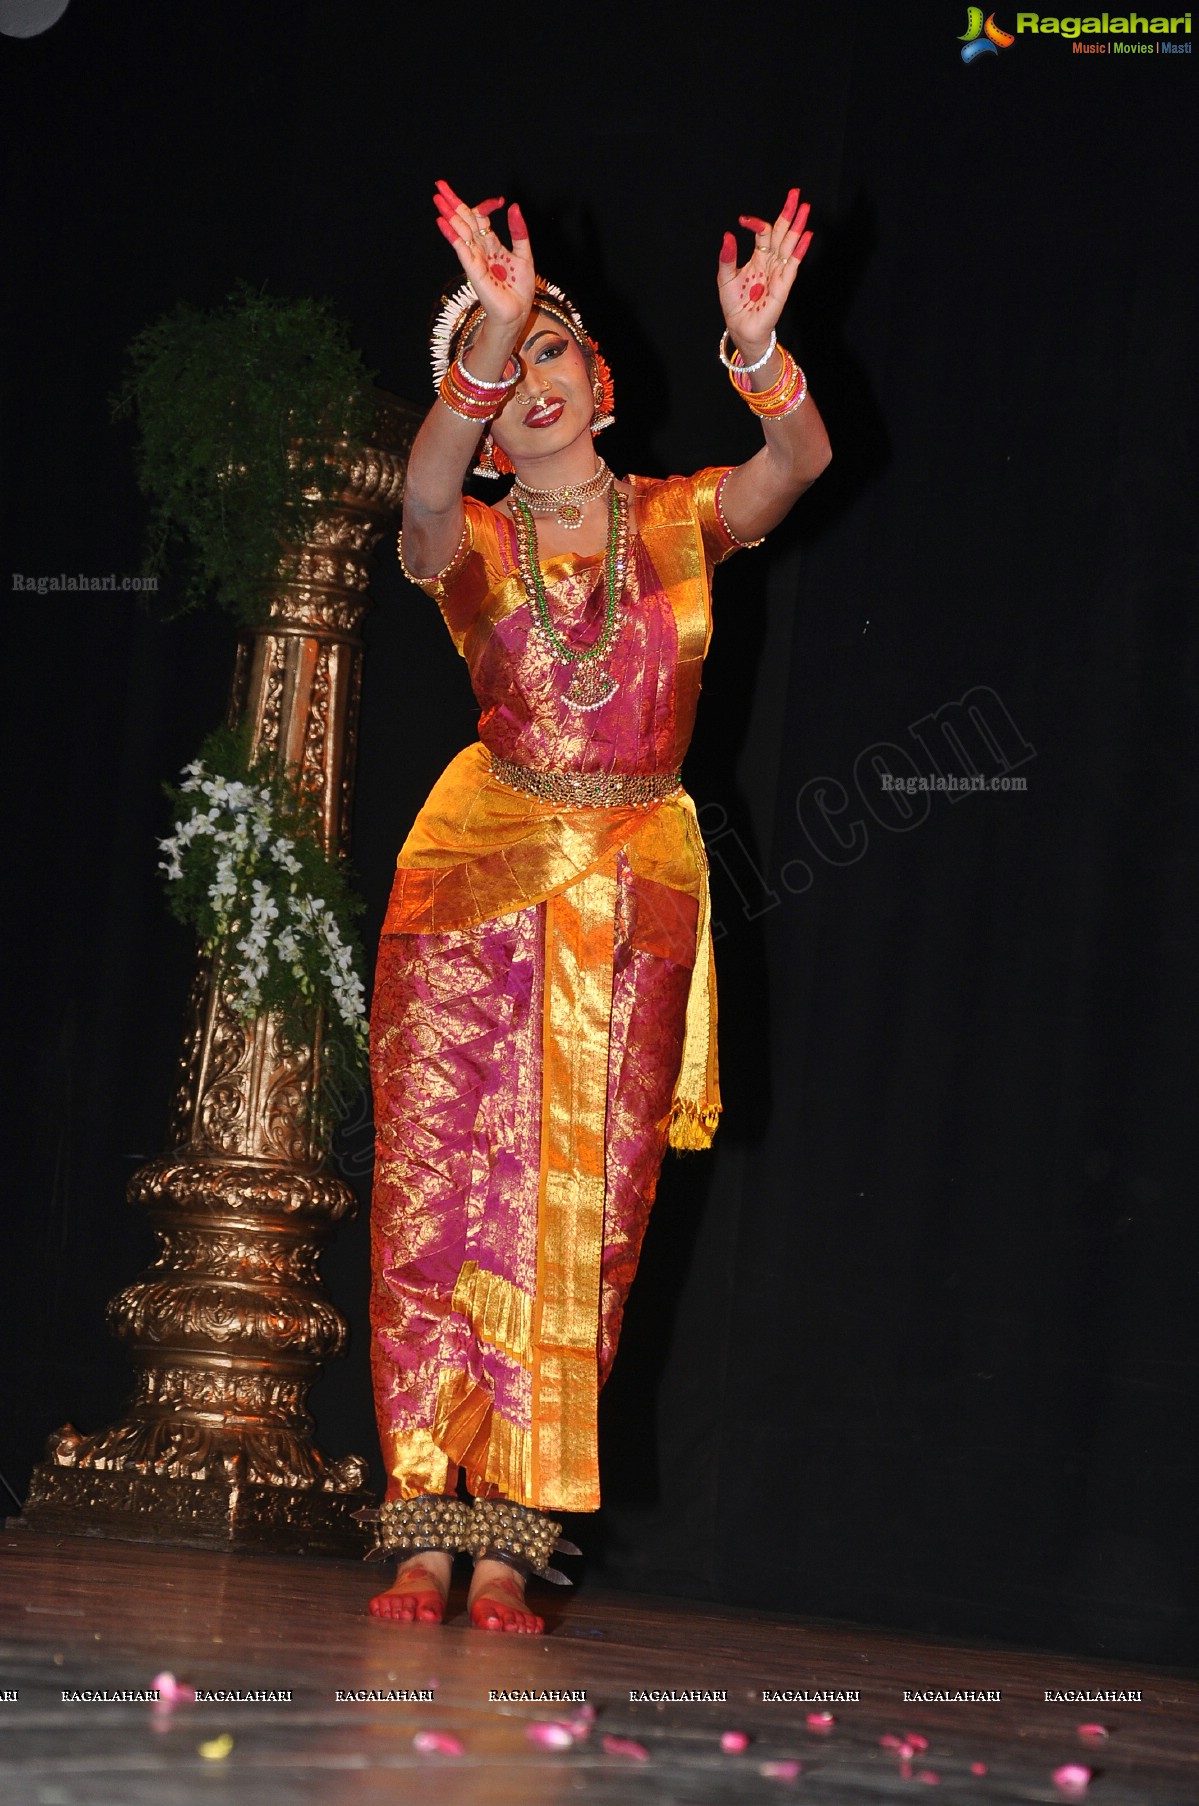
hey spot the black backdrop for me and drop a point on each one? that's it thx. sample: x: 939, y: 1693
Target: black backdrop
x: 912, y: 1346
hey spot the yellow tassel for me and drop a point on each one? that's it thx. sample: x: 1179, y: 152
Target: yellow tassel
x: 695, y: 1110
x: 691, y: 1126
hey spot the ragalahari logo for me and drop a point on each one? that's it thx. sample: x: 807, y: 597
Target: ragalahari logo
x: 982, y: 37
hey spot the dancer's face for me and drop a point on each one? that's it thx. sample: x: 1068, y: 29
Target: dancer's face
x: 554, y: 401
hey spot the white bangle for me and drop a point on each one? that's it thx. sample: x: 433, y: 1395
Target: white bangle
x: 480, y: 382
x: 746, y: 369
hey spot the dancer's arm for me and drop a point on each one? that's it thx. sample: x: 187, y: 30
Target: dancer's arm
x: 444, y: 447
x: 758, y: 494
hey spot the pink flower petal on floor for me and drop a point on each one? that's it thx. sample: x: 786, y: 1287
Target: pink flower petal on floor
x: 1072, y: 1777
x: 916, y: 1740
x: 437, y: 1743
x: 979, y: 1768
x: 586, y: 1713
x: 820, y: 1721
x: 1094, y: 1733
x: 929, y: 1776
x: 889, y: 1741
x: 780, y: 1771
x: 624, y: 1746
x: 579, y: 1727
x: 169, y: 1691
x: 550, y: 1736
x: 733, y: 1742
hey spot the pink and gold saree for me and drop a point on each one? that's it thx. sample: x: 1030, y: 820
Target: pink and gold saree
x: 544, y: 1017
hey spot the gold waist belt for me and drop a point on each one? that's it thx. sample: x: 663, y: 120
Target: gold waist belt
x: 588, y: 789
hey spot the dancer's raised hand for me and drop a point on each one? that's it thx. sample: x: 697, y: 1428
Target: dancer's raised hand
x: 501, y: 278
x: 754, y: 294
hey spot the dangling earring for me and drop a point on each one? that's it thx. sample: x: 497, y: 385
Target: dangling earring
x: 491, y: 461
x: 485, y: 457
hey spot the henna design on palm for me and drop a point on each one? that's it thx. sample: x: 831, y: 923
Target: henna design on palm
x: 753, y: 295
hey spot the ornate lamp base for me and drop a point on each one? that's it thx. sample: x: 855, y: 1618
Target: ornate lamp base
x: 199, y: 1514
x: 228, y: 1327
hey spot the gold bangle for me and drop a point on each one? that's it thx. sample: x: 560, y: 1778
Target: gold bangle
x: 796, y: 402
x: 797, y: 395
x: 765, y: 396
x: 467, y: 407
x: 783, y: 396
x: 456, y: 391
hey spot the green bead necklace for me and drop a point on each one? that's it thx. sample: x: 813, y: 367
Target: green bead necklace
x: 592, y: 683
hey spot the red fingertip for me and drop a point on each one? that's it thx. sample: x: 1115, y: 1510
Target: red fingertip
x: 728, y: 249
x: 447, y: 231
x: 800, y: 250
x: 488, y: 207
x: 516, y: 222
x: 753, y: 223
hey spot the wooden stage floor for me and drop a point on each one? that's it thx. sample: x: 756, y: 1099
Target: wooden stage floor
x: 83, y: 1615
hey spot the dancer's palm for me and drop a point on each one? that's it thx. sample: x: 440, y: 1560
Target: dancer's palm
x: 502, y: 279
x: 754, y: 294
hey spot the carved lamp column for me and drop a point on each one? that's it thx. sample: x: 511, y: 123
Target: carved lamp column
x: 229, y: 1326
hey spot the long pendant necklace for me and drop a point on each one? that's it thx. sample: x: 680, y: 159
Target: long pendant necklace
x: 567, y: 503
x: 592, y: 683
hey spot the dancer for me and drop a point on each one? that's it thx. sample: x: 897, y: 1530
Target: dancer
x: 544, y: 1018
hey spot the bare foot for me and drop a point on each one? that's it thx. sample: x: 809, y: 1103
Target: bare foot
x: 418, y: 1593
x: 497, y: 1600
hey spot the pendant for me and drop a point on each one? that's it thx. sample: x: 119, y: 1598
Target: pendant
x: 570, y: 515
x: 590, y: 687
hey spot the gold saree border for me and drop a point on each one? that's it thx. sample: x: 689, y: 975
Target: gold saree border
x: 580, y: 933
x: 695, y: 1106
